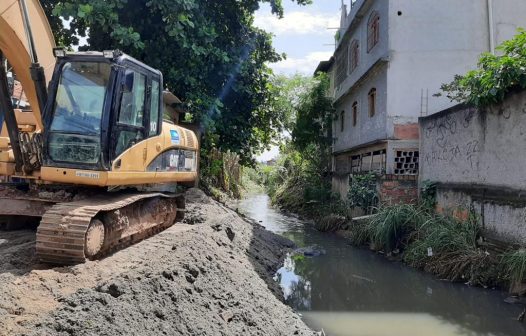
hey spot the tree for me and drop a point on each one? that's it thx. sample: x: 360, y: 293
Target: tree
x: 495, y: 77
x: 300, y: 177
x: 315, y: 114
x: 210, y: 54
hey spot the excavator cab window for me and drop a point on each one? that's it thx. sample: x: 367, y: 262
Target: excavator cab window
x: 100, y: 108
x: 77, y: 112
x: 130, y: 124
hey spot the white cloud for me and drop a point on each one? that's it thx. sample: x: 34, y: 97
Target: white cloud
x: 305, y: 65
x: 298, y: 23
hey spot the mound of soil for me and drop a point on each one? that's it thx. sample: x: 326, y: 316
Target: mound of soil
x: 213, y: 277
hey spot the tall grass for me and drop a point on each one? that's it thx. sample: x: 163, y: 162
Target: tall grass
x: 514, y: 265
x: 439, y: 235
x: 438, y: 244
x: 392, y: 225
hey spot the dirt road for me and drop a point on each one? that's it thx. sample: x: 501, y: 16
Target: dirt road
x: 210, y: 276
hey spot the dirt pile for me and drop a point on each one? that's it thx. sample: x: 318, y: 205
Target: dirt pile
x: 210, y: 278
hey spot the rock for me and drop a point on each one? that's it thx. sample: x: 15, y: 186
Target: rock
x: 230, y: 233
x: 113, y: 289
x: 194, y: 195
x: 227, y: 316
x: 309, y: 251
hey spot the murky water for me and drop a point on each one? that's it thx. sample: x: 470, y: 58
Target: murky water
x: 352, y: 291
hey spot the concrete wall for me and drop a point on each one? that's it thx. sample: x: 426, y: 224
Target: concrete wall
x: 503, y: 218
x: 426, y: 43
x: 431, y: 41
x: 477, y: 157
x: 508, y: 15
x: 465, y: 145
x: 340, y: 185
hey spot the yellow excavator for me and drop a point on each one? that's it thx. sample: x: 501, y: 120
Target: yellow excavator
x: 92, y: 160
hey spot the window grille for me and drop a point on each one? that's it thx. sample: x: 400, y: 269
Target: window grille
x: 373, y: 31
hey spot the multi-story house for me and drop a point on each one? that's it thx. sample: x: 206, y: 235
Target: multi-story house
x: 391, y: 58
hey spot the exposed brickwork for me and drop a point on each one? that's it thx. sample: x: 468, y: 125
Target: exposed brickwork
x: 407, y: 132
x: 394, y: 189
x: 461, y: 214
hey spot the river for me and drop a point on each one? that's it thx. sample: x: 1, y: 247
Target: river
x: 353, y: 291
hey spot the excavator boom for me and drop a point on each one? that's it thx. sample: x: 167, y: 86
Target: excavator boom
x: 15, y: 46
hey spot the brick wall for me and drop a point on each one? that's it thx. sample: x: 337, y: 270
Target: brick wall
x: 396, y: 189
x: 407, y: 131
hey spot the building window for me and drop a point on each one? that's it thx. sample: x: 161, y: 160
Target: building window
x: 373, y: 31
x: 354, y: 113
x: 372, y: 102
x: 354, y: 54
x: 342, y: 121
x: 341, y: 67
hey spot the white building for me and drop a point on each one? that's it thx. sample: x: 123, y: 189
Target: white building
x: 391, y: 57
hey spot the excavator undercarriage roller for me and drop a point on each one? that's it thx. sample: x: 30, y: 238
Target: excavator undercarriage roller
x: 71, y: 232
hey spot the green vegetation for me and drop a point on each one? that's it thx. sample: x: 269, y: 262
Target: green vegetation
x: 391, y: 226
x: 428, y: 193
x: 362, y: 192
x: 252, y: 180
x: 438, y: 244
x: 496, y: 76
x: 514, y: 264
x: 449, y: 249
x: 330, y: 223
x: 300, y: 180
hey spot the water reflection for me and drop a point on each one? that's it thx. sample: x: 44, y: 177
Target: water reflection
x: 351, y: 291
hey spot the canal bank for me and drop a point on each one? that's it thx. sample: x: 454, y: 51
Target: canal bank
x: 353, y: 291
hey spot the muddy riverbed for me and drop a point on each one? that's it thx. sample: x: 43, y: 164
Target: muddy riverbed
x: 209, y: 276
x: 351, y: 291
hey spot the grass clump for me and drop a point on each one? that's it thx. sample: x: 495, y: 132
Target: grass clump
x: 359, y: 232
x: 390, y: 227
x: 437, y: 244
x: 438, y: 235
x: 330, y: 223
x: 514, y: 265
x: 448, y: 248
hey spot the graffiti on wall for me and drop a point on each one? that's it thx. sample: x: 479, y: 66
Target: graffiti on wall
x: 446, y: 146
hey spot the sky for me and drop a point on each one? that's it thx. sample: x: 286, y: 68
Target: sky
x: 303, y: 35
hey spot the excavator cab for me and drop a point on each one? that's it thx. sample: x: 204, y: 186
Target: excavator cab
x: 103, y: 124
x: 100, y: 105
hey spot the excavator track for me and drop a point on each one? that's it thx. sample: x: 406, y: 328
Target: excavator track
x: 71, y: 232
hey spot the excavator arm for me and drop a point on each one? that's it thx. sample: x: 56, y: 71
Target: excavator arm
x: 15, y: 45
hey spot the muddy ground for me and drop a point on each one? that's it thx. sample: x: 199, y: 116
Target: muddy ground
x: 211, y: 275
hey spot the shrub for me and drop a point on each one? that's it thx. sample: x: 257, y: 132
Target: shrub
x: 495, y: 77
x: 362, y: 191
